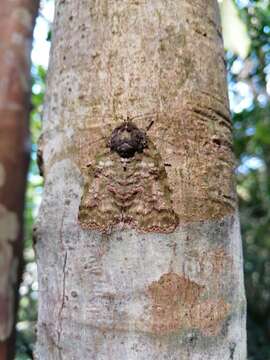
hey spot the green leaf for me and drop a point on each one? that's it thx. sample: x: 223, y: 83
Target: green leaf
x: 235, y: 34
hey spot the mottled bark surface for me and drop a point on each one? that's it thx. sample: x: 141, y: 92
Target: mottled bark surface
x: 16, y: 26
x: 110, y: 287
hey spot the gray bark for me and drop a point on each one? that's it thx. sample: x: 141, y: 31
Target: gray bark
x: 139, y: 258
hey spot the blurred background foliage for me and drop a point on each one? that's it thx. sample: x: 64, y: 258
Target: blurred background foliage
x: 246, y: 25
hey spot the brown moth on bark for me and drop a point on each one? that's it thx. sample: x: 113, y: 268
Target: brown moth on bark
x: 127, y: 185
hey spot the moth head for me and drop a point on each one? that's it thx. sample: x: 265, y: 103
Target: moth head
x: 127, y: 139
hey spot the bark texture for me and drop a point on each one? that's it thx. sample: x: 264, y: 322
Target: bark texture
x: 16, y: 27
x: 139, y: 257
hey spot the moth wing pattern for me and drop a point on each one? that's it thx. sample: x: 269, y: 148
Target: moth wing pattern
x: 97, y: 209
x: 152, y: 210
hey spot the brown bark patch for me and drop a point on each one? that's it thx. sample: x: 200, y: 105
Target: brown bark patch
x: 177, y: 304
x: 172, y: 298
x: 196, y: 140
x: 208, y: 316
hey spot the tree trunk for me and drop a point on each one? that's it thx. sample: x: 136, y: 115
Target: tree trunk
x: 16, y: 27
x: 138, y: 243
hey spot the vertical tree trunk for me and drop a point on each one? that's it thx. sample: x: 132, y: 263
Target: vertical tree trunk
x: 139, y: 250
x: 16, y: 26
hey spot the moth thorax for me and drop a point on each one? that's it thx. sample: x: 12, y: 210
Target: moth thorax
x: 127, y: 139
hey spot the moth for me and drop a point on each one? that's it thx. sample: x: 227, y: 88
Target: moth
x: 126, y: 186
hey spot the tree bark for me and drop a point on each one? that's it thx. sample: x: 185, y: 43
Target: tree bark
x: 16, y: 27
x: 138, y: 242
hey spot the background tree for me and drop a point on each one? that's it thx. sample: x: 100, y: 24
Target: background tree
x: 27, y: 313
x: 106, y: 292
x: 16, y: 26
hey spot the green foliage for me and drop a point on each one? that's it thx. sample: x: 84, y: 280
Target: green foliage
x: 28, y: 291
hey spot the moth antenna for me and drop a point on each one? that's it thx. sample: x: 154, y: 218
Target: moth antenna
x: 101, y: 138
x: 143, y: 115
x: 150, y: 125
